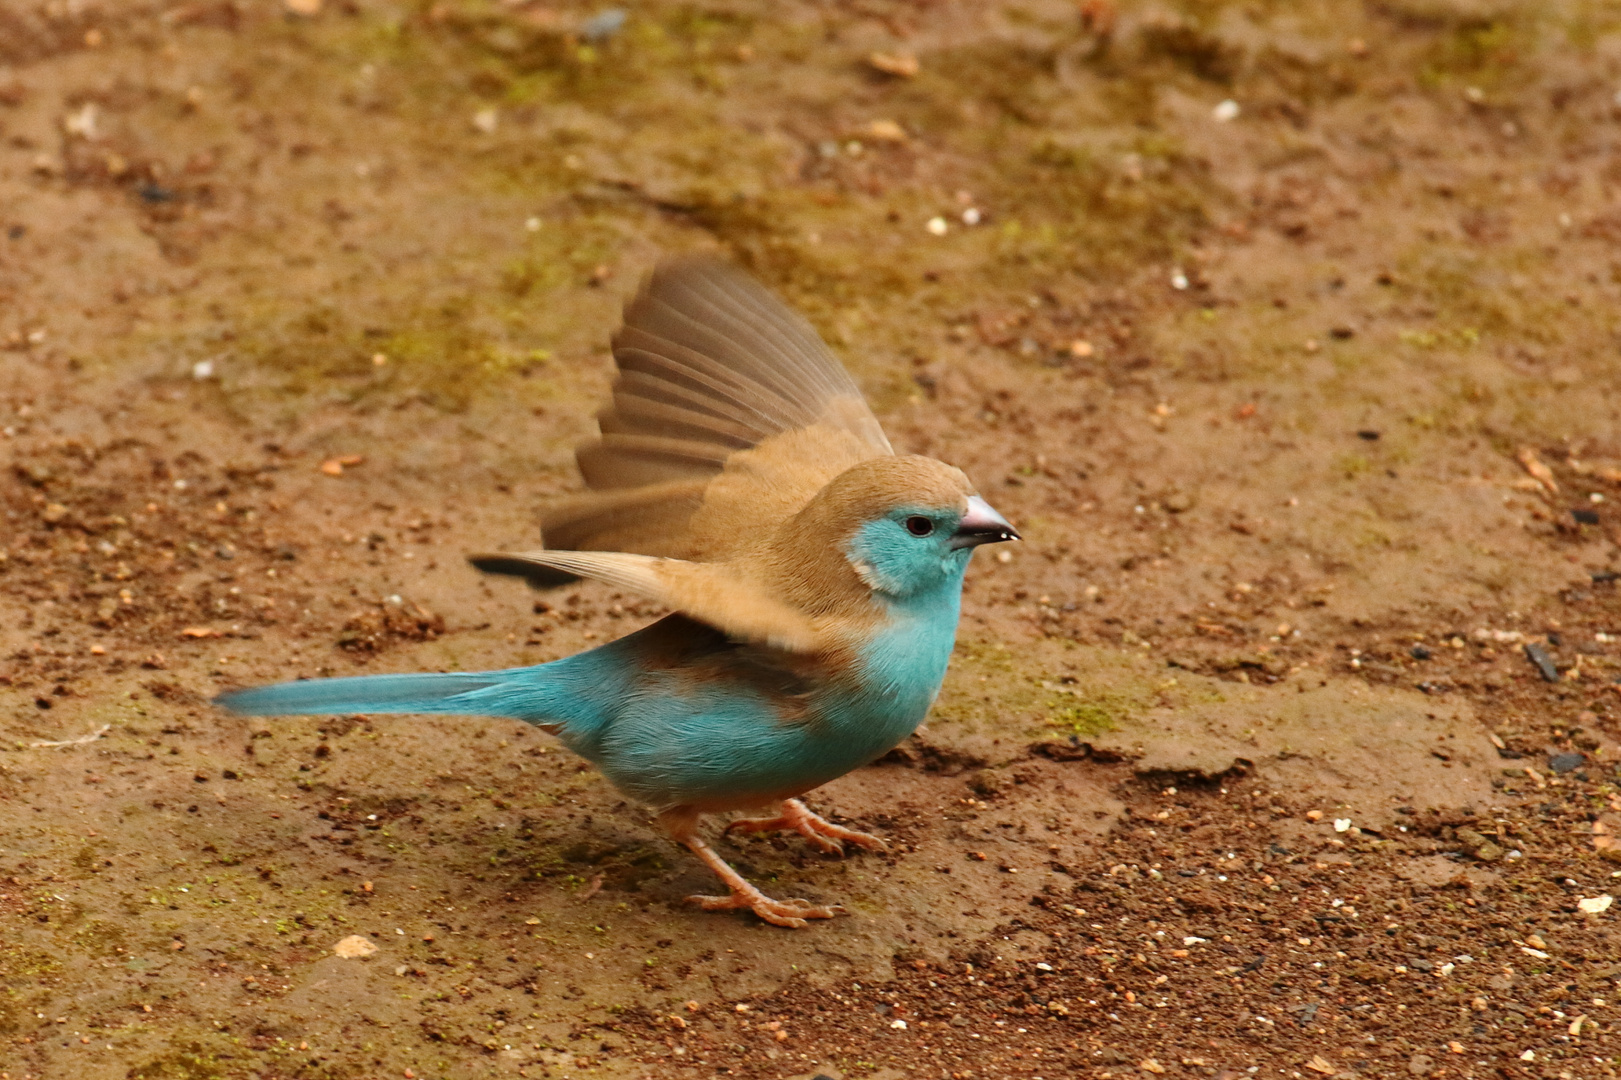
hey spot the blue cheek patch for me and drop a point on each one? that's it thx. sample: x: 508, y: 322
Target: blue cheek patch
x: 893, y: 561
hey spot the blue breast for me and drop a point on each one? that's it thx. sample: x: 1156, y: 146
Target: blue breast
x: 714, y: 744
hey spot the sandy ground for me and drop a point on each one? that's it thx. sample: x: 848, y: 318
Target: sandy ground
x: 1285, y: 746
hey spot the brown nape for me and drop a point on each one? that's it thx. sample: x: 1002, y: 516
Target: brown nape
x: 805, y: 559
x: 876, y: 487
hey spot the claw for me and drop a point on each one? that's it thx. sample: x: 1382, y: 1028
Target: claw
x: 789, y: 913
x: 821, y: 833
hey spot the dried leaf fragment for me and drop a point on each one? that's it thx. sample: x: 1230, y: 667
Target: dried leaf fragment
x: 1538, y: 469
x: 1320, y: 1064
x: 901, y: 65
x: 335, y: 466
x: 199, y: 632
x: 886, y: 131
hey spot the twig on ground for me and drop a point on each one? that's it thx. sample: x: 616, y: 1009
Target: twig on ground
x: 80, y: 741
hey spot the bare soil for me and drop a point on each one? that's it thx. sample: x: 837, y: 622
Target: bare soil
x: 1287, y: 745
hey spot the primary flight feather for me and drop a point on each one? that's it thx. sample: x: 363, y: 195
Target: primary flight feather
x: 815, y: 575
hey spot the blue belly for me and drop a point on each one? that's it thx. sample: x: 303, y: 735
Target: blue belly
x: 674, y: 743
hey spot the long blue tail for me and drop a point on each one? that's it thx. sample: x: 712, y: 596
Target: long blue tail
x: 576, y: 696
x: 477, y: 693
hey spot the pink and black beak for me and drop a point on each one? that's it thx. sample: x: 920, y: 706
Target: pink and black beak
x: 982, y: 525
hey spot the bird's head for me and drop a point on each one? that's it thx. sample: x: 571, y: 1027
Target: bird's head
x: 904, y: 525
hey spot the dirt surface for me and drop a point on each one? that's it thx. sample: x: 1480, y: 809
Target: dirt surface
x: 1286, y: 745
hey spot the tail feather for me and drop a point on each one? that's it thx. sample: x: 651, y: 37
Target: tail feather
x: 456, y: 692
x: 575, y: 697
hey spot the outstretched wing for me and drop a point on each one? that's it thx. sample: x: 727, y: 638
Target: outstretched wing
x: 728, y: 415
x: 711, y: 593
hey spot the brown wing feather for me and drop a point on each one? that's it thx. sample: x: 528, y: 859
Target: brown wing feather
x: 728, y: 412
x: 717, y: 595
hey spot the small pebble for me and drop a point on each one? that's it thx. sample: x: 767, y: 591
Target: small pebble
x: 354, y: 947
x: 1226, y: 111
x: 1560, y: 764
x: 602, y: 26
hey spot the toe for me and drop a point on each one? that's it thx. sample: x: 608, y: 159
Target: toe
x: 859, y: 839
x: 804, y: 909
x: 771, y: 916
x: 824, y: 844
x: 716, y: 903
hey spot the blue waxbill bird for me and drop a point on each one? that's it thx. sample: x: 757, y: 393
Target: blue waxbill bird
x: 815, y: 576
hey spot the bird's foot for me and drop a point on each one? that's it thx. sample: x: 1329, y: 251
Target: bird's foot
x: 789, y: 913
x: 820, y: 832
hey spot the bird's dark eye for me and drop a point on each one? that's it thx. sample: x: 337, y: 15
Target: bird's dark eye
x: 919, y: 526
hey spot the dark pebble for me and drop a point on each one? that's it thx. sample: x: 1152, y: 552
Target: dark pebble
x: 1544, y: 663
x: 1368, y: 435
x: 1560, y: 764
x: 1419, y: 652
x: 154, y: 194
x: 1585, y: 516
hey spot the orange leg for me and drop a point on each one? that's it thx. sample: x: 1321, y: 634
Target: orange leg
x: 682, y: 826
x: 822, y: 833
